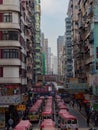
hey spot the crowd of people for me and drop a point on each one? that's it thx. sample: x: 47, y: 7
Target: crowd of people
x: 90, y: 114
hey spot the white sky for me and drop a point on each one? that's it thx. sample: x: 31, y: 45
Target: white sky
x: 53, y: 14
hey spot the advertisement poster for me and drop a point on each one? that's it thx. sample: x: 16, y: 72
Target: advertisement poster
x: 2, y: 120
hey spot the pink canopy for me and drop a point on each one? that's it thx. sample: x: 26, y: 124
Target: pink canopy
x: 68, y: 116
x: 36, y: 106
x: 51, y: 128
x: 47, y: 123
x: 22, y: 125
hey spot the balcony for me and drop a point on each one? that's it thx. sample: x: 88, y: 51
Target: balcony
x: 38, y: 66
x: 92, y: 68
x: 37, y: 8
x: 8, y: 43
x: 90, y: 11
x: 9, y: 100
x: 69, y: 75
x: 10, y: 80
x: 37, y: 48
x: 81, y: 25
x: 92, y: 71
x: 69, y: 57
x: 90, y: 60
x: 87, y: 32
x: 69, y: 69
x: 10, y: 62
x: 38, y: 71
x: 10, y: 5
x: 37, y: 60
x: 10, y: 25
x: 91, y: 38
x: 69, y: 66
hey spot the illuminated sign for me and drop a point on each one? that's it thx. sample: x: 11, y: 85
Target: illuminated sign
x: 21, y: 108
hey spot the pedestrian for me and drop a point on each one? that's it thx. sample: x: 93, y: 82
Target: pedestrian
x: 88, y: 119
x: 80, y: 106
x: 71, y: 103
x: 87, y: 110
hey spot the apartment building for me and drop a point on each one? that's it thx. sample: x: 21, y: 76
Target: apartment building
x: 37, y: 45
x: 63, y: 61
x: 49, y: 60
x: 16, y: 52
x: 46, y: 53
x: 60, y: 45
x: 87, y: 69
x: 53, y: 65
x: 73, y: 14
x: 68, y: 50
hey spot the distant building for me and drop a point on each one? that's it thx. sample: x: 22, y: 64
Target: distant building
x: 49, y: 60
x: 60, y: 45
x: 46, y: 52
x: 53, y: 64
x: 42, y: 41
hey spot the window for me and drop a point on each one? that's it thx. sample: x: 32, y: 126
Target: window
x: 1, y: 35
x: 96, y: 52
x: 10, y: 53
x: 23, y: 58
x: 96, y: 65
x: 13, y: 35
x: 22, y: 72
x: 69, y: 121
x: 1, y: 17
x: 1, y: 1
x: 7, y: 17
x: 1, y: 71
x: 10, y: 35
x: 76, y: 7
x: 5, y: 35
x: 0, y: 53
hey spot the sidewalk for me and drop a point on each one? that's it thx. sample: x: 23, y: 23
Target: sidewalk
x: 83, y: 128
x: 83, y: 113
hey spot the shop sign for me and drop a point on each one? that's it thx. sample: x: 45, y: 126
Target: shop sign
x: 40, y: 89
x: 21, y: 108
x: 33, y: 117
x: 2, y: 120
x: 16, y: 99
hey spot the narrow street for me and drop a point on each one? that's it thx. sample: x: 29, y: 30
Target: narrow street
x: 81, y: 118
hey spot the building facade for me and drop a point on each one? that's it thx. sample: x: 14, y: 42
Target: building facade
x: 37, y: 45
x: 53, y: 64
x: 20, y: 53
x: 46, y: 52
x: 68, y: 50
x: 49, y: 60
x: 84, y: 41
x: 88, y: 28
x: 60, y: 45
x: 73, y: 7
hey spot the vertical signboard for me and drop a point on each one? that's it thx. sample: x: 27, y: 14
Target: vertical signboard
x: 2, y: 120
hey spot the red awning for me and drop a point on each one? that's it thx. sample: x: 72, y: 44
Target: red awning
x: 85, y: 101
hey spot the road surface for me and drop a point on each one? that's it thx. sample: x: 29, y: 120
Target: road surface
x: 81, y: 119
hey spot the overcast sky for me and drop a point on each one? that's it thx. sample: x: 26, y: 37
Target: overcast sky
x: 53, y: 14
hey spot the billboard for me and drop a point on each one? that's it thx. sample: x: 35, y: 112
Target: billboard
x: 2, y: 120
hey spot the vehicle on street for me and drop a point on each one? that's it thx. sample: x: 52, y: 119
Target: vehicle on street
x: 35, y: 110
x: 47, y: 124
x: 67, y: 121
x: 47, y: 112
x: 23, y: 125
